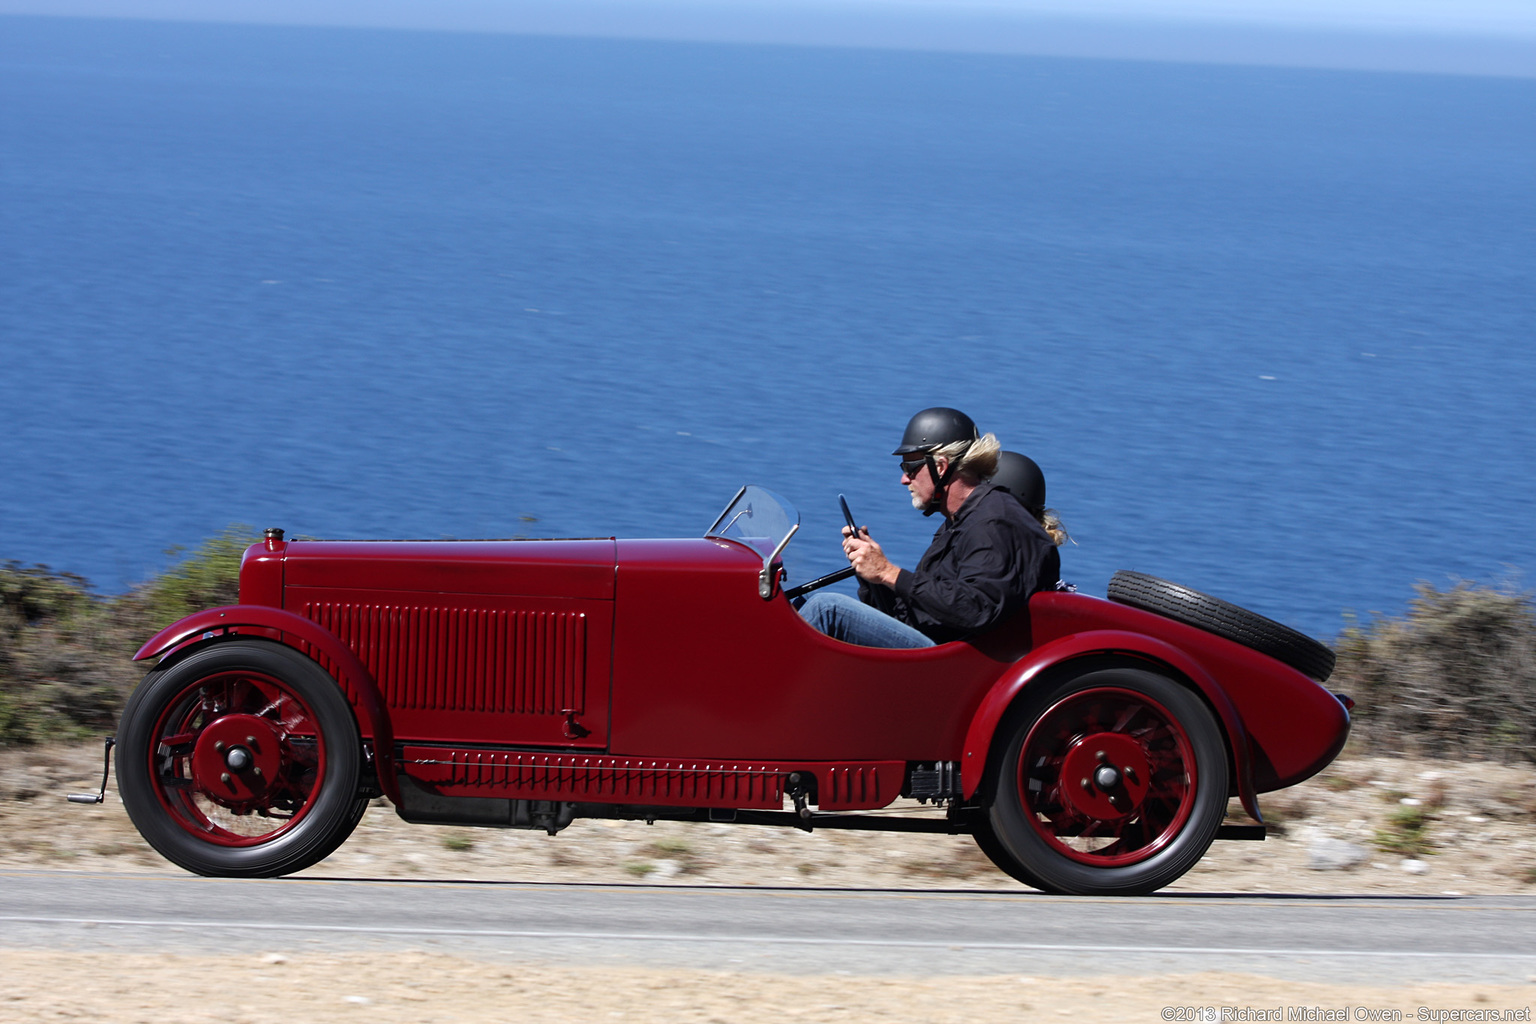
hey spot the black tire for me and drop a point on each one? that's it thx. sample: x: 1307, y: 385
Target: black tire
x: 1224, y: 619
x: 1074, y: 827
x: 997, y: 853
x: 241, y: 760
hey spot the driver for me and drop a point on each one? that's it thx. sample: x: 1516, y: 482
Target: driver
x: 986, y: 559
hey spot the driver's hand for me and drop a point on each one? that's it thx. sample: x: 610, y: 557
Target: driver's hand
x: 868, y: 558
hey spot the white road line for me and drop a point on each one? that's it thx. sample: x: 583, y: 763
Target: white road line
x: 500, y: 933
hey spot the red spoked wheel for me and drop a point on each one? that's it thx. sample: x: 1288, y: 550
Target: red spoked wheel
x: 237, y: 758
x: 1114, y: 783
x: 1109, y: 776
x: 241, y: 759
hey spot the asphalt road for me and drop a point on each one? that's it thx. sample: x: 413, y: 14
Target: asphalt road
x: 1331, y: 938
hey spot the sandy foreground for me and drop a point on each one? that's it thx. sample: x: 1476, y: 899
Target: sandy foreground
x: 420, y: 987
x: 1381, y: 825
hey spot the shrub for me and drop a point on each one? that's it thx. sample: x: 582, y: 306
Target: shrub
x: 458, y: 842
x: 208, y: 578
x: 1455, y: 677
x: 66, y: 655
x: 57, y: 665
x: 1406, y: 833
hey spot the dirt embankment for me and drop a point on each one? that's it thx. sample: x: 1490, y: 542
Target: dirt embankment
x: 1366, y: 825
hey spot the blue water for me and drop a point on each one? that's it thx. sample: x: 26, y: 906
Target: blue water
x: 1268, y: 331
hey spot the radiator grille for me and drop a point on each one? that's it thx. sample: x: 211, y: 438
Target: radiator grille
x: 465, y: 659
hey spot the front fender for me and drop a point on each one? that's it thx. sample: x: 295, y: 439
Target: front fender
x: 297, y: 632
x: 979, y: 737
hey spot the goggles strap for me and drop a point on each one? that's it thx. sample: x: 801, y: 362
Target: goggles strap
x: 940, y: 483
x: 935, y: 503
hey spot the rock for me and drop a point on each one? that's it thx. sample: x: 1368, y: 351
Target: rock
x: 1325, y: 854
x: 1415, y: 867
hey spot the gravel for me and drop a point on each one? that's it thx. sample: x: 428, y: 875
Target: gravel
x: 1472, y: 830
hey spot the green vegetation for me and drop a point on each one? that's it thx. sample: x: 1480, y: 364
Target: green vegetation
x: 209, y: 577
x: 66, y: 654
x: 1406, y: 833
x: 670, y: 846
x: 458, y: 842
x: 1454, y: 678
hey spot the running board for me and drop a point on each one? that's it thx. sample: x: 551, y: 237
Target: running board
x: 939, y: 826
x: 861, y: 822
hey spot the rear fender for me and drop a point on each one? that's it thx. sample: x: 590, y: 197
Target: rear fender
x: 1056, y: 654
x: 297, y: 632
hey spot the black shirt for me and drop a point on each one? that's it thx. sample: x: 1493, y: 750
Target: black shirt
x: 982, y: 565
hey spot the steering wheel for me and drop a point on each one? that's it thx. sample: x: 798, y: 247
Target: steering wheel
x: 795, y: 593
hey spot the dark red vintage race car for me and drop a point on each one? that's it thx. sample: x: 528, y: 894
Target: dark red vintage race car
x: 1089, y: 746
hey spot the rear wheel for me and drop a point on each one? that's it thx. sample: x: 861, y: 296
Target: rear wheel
x: 241, y: 760
x: 1113, y: 783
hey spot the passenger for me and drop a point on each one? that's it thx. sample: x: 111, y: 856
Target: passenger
x: 1020, y: 476
x: 985, y: 561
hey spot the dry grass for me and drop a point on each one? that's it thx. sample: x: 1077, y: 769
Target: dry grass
x: 1454, y: 678
x: 66, y: 654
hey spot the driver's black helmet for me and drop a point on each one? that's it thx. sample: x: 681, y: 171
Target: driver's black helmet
x: 1020, y: 476
x: 934, y: 428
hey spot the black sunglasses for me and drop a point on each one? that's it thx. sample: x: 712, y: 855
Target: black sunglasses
x: 911, y: 468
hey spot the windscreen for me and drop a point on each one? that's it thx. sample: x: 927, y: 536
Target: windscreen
x: 757, y: 518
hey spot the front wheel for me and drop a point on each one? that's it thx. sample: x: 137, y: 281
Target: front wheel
x: 241, y: 760
x: 1113, y: 783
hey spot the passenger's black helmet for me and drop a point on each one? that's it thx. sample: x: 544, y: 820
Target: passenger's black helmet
x: 1020, y: 476
x: 934, y: 428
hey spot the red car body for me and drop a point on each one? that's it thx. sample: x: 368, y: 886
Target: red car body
x: 652, y: 674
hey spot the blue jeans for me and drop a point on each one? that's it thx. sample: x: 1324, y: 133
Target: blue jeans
x: 853, y: 622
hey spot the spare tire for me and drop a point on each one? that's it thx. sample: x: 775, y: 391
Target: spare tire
x: 1227, y: 620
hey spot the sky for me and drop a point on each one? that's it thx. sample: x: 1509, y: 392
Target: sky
x: 1459, y: 36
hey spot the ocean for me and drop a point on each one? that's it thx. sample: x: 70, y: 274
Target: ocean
x: 1269, y: 332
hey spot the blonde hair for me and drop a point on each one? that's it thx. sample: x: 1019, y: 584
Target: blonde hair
x: 1053, y: 528
x: 972, y: 461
